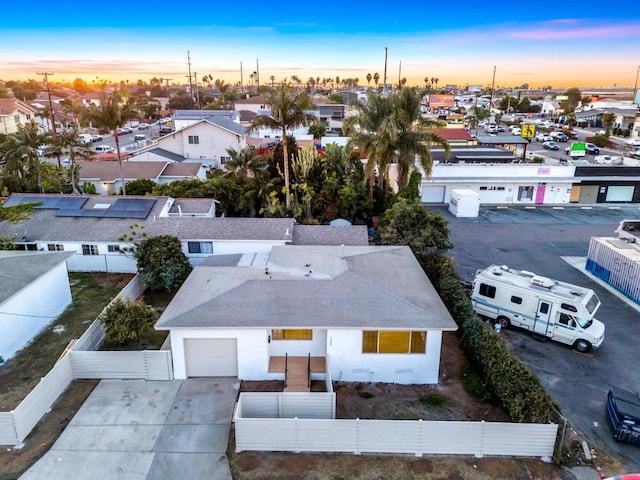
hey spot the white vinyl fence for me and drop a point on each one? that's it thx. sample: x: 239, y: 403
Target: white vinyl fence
x: 415, y: 437
x: 83, y: 362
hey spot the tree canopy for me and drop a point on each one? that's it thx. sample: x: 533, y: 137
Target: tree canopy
x: 162, y: 262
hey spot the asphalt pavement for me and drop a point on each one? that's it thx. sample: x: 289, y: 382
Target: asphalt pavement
x: 547, y: 241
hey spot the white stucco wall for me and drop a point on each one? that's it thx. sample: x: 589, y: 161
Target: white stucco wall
x: 349, y: 364
x: 344, y: 346
x: 213, y: 142
x: 105, y: 261
x: 25, y: 314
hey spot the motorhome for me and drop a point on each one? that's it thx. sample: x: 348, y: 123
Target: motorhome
x: 546, y: 307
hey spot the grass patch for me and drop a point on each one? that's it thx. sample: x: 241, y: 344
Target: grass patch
x: 366, y: 395
x: 434, y: 400
x: 90, y: 293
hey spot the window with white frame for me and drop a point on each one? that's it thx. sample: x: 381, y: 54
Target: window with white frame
x: 113, y: 248
x: 200, y: 247
x: 194, y: 140
x: 89, y: 249
x: 224, y: 160
x: 55, y: 247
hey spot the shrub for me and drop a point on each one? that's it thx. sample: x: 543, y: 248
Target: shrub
x: 162, y: 262
x: 434, y: 400
x: 127, y: 320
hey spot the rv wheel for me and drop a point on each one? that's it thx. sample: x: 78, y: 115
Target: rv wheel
x: 504, y: 322
x: 582, y: 346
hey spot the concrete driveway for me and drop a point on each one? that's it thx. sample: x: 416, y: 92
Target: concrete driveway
x: 153, y: 430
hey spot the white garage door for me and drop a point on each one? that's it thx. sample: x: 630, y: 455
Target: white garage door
x: 433, y: 194
x: 211, y: 357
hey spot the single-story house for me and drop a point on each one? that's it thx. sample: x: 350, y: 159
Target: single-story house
x: 91, y: 226
x: 369, y: 313
x: 106, y: 177
x: 34, y: 291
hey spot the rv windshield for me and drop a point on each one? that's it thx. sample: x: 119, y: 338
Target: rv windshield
x: 583, y: 323
x: 593, y: 303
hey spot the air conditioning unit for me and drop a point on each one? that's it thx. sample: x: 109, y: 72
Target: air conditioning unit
x: 542, y: 282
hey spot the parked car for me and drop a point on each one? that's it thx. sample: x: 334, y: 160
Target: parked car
x: 139, y: 137
x: 84, y: 138
x: 634, y: 142
x: 491, y: 129
x: 103, y: 149
x: 65, y: 162
x: 96, y: 138
x: 543, y: 137
x: 592, y: 148
x: 123, y: 131
x: 559, y: 136
x: 571, y: 134
x: 516, y: 131
x: 633, y: 154
x: 144, y: 126
x: 551, y: 145
x: 607, y: 160
x: 501, y: 128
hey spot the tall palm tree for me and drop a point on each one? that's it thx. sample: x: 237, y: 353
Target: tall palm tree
x: 369, y: 77
x: 287, y: 112
x: 376, y: 78
x: 21, y: 159
x: 111, y: 115
x: 68, y: 143
x: 608, y: 120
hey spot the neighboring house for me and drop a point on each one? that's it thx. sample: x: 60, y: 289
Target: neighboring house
x: 203, y: 141
x: 370, y: 313
x: 625, y: 117
x: 91, y: 227
x: 184, y: 118
x: 91, y: 99
x: 34, y: 291
x: 106, y: 176
x: 13, y: 113
x: 256, y: 104
x: 455, y: 136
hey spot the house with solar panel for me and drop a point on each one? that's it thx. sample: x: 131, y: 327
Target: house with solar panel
x: 91, y: 226
x: 302, y: 313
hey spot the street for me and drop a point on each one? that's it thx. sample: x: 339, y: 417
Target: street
x: 536, y: 240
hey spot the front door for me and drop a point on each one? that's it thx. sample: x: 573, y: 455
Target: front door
x: 543, y: 315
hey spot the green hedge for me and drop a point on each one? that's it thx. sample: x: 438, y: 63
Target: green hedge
x: 517, y: 388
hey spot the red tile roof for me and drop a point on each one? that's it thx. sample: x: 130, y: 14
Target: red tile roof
x: 453, y: 134
x: 8, y: 106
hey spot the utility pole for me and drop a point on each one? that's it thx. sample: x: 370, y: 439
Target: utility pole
x: 46, y: 81
x: 400, y: 75
x: 53, y: 118
x: 190, y: 83
x: 492, y: 85
x: 384, y: 78
x: 635, y: 99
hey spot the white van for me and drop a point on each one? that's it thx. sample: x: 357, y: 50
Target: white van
x: 103, y: 149
x: 549, y: 308
x: 84, y: 138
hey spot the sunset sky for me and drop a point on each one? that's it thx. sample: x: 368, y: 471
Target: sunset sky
x: 572, y: 44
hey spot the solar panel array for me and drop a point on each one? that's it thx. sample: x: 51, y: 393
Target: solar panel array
x: 71, y: 206
x: 47, y: 202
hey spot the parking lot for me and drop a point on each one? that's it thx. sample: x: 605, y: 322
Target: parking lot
x: 541, y: 240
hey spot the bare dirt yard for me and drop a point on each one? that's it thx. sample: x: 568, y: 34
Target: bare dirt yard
x: 449, y: 400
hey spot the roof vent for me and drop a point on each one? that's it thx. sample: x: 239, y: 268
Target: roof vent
x: 542, y: 282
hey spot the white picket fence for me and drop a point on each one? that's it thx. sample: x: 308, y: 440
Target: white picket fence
x: 293, y: 422
x: 83, y: 362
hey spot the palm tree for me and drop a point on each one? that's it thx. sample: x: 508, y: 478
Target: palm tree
x: 21, y: 159
x: 111, y: 115
x: 376, y: 78
x: 287, y: 112
x: 68, y: 143
x: 608, y: 119
x: 571, y: 120
x: 369, y: 77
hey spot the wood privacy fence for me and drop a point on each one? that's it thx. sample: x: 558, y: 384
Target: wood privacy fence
x: 83, y: 362
x: 257, y: 429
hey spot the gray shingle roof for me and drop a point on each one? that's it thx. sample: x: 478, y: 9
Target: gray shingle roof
x: 312, y: 287
x: 329, y: 235
x: 44, y: 226
x: 18, y: 269
x: 161, y: 152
